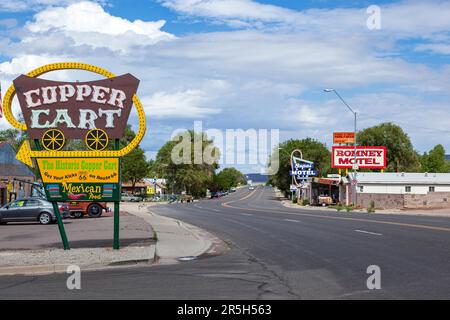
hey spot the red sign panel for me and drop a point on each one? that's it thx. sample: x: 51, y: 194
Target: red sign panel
x: 366, y: 157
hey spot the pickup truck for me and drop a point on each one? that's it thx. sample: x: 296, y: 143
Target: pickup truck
x: 92, y: 209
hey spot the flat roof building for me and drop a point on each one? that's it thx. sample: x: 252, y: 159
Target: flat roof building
x: 402, y: 189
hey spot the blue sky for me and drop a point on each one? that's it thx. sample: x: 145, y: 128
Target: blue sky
x: 244, y: 64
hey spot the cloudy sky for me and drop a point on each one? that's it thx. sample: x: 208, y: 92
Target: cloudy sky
x: 241, y: 64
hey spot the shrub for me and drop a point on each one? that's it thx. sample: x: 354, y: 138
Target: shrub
x: 349, y: 208
x: 305, y: 202
x: 371, y: 208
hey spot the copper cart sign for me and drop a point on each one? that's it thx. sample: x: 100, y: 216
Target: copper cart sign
x: 95, y: 112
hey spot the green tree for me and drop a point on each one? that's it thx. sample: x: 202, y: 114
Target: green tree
x: 312, y: 150
x: 435, y: 160
x: 13, y: 137
x: 228, y: 178
x: 191, y: 172
x: 401, y: 156
x: 134, y: 166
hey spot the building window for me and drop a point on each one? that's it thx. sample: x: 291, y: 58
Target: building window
x: 430, y: 189
x: 361, y: 188
x: 407, y: 188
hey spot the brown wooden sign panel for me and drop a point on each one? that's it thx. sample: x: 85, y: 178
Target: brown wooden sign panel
x: 76, y: 107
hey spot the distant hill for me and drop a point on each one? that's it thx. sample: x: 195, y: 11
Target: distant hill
x: 257, y: 177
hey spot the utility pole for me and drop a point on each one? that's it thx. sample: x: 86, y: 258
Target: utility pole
x: 355, y: 164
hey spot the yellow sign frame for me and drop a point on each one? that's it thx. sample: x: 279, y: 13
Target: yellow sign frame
x: 25, y: 154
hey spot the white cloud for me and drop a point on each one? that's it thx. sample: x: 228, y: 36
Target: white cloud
x: 263, y: 77
x: 183, y: 104
x: 233, y: 10
x: 399, y: 19
x: 36, y: 5
x: 87, y: 23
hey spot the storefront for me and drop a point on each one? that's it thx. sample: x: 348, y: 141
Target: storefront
x: 324, y: 191
x: 14, y: 176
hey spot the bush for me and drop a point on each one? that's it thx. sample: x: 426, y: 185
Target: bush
x: 305, y: 202
x: 371, y: 208
x: 349, y: 208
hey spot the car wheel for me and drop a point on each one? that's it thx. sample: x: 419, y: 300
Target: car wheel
x: 3, y: 222
x: 95, y: 210
x: 78, y: 215
x: 45, y: 218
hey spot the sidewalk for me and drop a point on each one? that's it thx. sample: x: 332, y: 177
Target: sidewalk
x: 176, y: 241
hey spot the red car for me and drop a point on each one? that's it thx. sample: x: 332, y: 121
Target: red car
x: 92, y: 209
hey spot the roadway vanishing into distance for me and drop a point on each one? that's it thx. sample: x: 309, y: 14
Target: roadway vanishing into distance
x: 276, y: 253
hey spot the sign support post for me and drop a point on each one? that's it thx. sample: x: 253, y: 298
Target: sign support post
x: 116, y: 244
x: 62, y: 230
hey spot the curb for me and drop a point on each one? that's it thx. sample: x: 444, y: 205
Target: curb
x: 62, y: 268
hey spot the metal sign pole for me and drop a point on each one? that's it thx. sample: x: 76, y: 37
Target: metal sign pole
x: 116, y: 244
x: 62, y: 230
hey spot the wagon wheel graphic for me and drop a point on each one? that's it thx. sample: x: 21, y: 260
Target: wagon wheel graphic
x: 53, y: 140
x: 96, y: 139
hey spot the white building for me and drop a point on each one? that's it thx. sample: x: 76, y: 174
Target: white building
x: 399, y: 190
x: 403, y: 183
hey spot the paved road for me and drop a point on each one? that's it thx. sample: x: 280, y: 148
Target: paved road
x: 278, y: 253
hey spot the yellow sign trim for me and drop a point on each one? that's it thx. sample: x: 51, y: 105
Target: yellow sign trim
x: 25, y: 153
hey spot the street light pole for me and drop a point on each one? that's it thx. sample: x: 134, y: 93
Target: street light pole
x: 355, y: 164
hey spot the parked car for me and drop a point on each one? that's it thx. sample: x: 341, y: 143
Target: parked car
x: 32, y: 209
x: 130, y: 198
x: 233, y: 189
x: 251, y: 188
x: 216, y: 194
x: 92, y: 209
x: 187, y: 198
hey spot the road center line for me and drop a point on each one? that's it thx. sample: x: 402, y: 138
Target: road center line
x: 368, y: 232
x: 246, y: 214
x: 291, y: 220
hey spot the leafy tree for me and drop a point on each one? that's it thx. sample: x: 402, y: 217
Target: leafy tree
x: 193, y: 174
x: 312, y: 150
x: 401, y: 156
x: 435, y: 160
x: 134, y: 166
x: 228, y: 178
x: 13, y: 137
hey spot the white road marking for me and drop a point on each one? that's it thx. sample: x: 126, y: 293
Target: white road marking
x: 216, y: 210
x: 368, y: 232
x: 246, y: 214
x: 291, y: 220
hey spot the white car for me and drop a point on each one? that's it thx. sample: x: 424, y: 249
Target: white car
x: 251, y: 188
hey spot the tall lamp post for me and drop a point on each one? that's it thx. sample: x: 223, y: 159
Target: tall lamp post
x: 355, y: 164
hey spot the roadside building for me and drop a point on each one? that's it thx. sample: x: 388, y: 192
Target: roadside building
x: 400, y: 190
x: 158, y: 184
x: 139, y: 189
x: 321, y: 191
x: 145, y: 187
x: 10, y: 170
